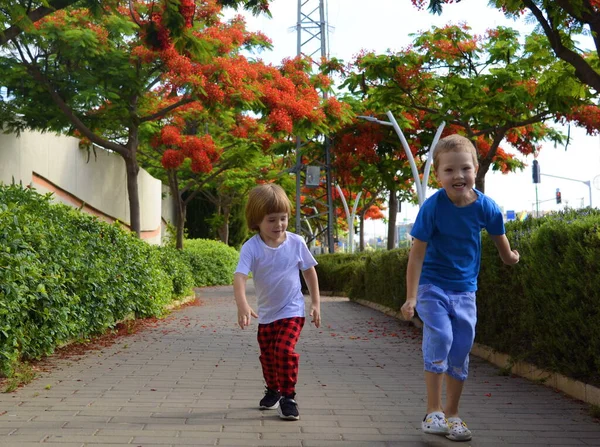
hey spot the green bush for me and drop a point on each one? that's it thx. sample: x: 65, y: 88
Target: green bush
x: 385, y: 277
x: 378, y: 276
x: 65, y: 275
x: 212, y: 262
x: 336, y: 271
x: 175, y: 263
x: 544, y: 310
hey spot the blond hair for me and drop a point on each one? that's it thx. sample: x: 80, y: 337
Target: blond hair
x: 266, y: 199
x: 454, y: 143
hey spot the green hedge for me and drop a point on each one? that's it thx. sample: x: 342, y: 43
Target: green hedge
x: 545, y: 310
x: 212, y: 262
x: 65, y: 275
x: 336, y: 272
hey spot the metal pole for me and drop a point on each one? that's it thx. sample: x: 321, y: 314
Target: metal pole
x: 298, y: 142
x: 537, y: 202
x: 409, y: 155
x: 298, y: 171
x: 585, y: 182
x: 589, y: 185
x: 329, y: 181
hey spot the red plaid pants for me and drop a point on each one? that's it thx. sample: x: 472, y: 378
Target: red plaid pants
x: 277, y: 341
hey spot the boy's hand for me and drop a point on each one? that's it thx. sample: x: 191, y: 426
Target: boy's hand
x: 245, y: 315
x: 513, y: 258
x: 408, y: 309
x: 315, y: 315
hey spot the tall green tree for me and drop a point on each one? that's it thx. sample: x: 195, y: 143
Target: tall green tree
x: 261, y: 106
x: 110, y: 78
x: 17, y: 16
x: 491, y: 88
x: 369, y: 157
x: 562, y: 22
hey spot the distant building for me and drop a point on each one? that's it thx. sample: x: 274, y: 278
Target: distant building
x: 403, y: 236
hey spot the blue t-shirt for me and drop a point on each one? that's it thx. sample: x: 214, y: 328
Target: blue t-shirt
x: 453, y: 236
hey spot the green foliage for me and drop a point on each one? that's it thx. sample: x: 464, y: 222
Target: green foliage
x: 380, y: 268
x: 550, y: 299
x: 174, y: 262
x: 65, y: 275
x: 336, y: 271
x: 212, y: 262
x: 543, y: 310
x: 22, y: 375
x: 494, y: 88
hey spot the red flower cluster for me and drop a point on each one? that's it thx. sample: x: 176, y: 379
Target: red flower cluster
x: 172, y: 159
x: 586, y: 116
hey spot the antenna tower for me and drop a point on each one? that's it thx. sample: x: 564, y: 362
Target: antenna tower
x: 312, y: 42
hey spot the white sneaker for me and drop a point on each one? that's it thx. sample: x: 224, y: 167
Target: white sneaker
x: 435, y: 423
x: 458, y: 430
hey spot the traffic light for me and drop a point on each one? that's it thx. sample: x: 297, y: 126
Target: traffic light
x: 558, y: 196
x: 536, y: 172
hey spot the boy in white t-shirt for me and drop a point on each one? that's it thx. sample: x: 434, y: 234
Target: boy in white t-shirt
x: 275, y: 257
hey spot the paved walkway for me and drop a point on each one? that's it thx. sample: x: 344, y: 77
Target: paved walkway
x: 195, y: 379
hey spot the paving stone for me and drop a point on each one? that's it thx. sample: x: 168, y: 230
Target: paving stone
x: 195, y: 379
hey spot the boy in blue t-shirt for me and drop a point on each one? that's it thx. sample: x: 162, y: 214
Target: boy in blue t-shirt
x: 441, y: 278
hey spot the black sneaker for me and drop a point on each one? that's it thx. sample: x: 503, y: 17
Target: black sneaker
x: 288, y: 409
x: 270, y: 401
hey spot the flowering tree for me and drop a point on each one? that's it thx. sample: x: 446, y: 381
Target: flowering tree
x: 490, y: 88
x: 368, y: 157
x: 17, y: 16
x: 283, y: 101
x: 561, y: 21
x: 111, y: 78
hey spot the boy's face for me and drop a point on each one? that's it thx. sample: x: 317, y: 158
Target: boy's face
x: 272, y: 228
x: 456, y: 172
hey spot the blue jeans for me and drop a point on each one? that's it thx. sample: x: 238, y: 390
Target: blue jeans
x: 449, y: 320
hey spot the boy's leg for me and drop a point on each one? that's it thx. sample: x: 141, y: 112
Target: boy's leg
x: 267, y: 336
x: 433, y: 382
x: 286, y: 359
x: 432, y: 307
x: 454, y: 390
x: 464, y: 319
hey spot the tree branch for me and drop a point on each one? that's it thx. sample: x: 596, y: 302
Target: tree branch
x: 35, y: 15
x: 199, y: 184
x: 584, y: 72
x: 74, y: 119
x: 166, y: 110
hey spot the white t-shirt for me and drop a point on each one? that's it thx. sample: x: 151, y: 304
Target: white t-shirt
x: 276, y: 273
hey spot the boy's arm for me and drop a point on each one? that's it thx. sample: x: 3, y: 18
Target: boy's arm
x: 507, y: 255
x: 312, y: 282
x: 413, y: 274
x: 245, y: 312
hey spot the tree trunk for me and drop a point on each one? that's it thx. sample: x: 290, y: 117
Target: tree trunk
x: 361, y: 243
x: 393, y: 210
x: 132, y: 168
x: 486, y: 162
x: 223, y: 230
x: 180, y: 208
x: 484, y: 168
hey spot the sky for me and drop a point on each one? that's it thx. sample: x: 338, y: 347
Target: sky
x: 381, y: 25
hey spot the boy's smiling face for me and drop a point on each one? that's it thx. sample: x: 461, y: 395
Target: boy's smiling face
x: 456, y: 172
x: 272, y: 228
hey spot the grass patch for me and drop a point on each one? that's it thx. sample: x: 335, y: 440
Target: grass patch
x: 23, y: 375
x: 594, y: 411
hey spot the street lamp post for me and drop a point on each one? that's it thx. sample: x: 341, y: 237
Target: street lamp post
x: 420, y: 185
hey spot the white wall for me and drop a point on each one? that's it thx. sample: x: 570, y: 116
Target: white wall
x: 54, y: 163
